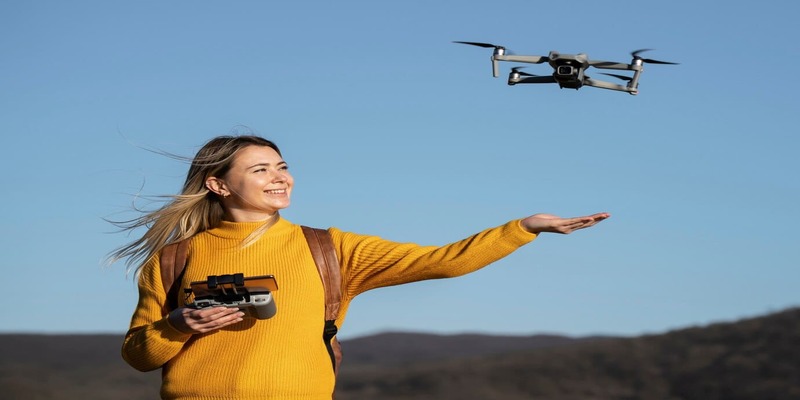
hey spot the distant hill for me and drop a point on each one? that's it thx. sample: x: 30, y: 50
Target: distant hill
x: 43, y: 367
x: 756, y: 358
x: 753, y: 359
x: 398, y: 349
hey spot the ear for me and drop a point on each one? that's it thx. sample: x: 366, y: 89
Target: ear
x: 217, y: 186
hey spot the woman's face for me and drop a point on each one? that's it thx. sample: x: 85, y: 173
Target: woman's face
x: 256, y: 186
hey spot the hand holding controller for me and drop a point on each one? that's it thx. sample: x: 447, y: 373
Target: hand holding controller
x: 253, y: 295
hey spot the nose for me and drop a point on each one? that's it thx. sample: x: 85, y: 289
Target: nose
x: 279, y: 176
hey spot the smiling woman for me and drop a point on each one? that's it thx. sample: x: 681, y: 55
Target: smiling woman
x: 256, y: 186
x: 228, y: 212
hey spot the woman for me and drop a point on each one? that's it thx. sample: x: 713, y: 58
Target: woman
x: 229, y: 207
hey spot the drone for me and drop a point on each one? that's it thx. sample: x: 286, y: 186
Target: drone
x: 569, y: 70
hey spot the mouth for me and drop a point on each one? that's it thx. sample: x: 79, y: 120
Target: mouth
x: 275, y: 191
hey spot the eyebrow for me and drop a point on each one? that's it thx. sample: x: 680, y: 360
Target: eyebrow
x: 266, y: 164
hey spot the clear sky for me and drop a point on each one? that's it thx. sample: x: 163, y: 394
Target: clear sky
x: 391, y: 129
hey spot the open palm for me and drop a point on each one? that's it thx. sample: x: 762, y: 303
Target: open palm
x: 538, y: 223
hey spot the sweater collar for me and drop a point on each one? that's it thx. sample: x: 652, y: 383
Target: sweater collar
x: 240, y: 230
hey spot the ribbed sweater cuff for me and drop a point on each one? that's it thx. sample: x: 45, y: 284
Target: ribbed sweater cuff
x: 170, y: 332
x: 523, y: 235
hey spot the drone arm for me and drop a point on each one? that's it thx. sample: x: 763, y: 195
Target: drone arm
x: 614, y: 65
x: 611, y: 86
x: 521, y: 59
x: 531, y: 79
x: 636, y: 66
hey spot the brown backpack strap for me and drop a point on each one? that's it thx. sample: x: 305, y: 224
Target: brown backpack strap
x: 173, y: 262
x: 321, y: 245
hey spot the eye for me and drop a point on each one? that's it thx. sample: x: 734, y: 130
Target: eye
x: 284, y: 167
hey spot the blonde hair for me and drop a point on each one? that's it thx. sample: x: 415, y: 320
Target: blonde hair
x: 194, y: 210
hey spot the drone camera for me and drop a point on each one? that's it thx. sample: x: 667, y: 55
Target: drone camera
x: 565, y: 70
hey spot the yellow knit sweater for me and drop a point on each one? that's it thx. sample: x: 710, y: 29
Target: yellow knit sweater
x: 283, y: 357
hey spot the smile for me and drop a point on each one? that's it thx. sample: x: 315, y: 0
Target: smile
x: 275, y: 191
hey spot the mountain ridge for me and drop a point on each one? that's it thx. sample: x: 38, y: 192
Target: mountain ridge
x: 752, y: 358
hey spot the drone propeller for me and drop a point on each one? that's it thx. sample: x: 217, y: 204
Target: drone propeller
x: 635, y: 55
x: 487, y: 45
x: 497, y: 48
x: 623, y: 77
x: 498, y: 51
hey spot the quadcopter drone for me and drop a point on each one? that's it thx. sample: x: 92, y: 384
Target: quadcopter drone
x: 569, y: 70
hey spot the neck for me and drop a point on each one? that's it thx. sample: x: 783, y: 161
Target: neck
x: 248, y: 216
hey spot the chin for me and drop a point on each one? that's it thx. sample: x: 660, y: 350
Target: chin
x: 278, y: 207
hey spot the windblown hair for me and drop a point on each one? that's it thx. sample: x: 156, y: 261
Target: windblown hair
x: 194, y: 210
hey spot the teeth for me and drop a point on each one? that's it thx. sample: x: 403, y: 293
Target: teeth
x: 276, y: 191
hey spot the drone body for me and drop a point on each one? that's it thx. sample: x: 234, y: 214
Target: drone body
x: 569, y: 70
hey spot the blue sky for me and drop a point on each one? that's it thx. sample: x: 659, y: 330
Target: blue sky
x: 391, y: 129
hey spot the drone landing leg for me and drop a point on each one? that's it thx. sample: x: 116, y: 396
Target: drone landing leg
x: 634, y: 82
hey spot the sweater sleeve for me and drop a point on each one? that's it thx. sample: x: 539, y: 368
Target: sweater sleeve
x: 151, y: 341
x: 370, y: 262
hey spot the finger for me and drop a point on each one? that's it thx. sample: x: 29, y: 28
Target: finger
x: 214, y: 312
x: 225, y: 324
x: 593, y: 219
x: 579, y: 221
x: 574, y: 224
x: 600, y: 216
x: 224, y: 319
x: 200, y: 320
x: 221, y: 321
x: 235, y: 315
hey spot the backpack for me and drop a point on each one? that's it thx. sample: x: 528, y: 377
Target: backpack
x: 173, y: 263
